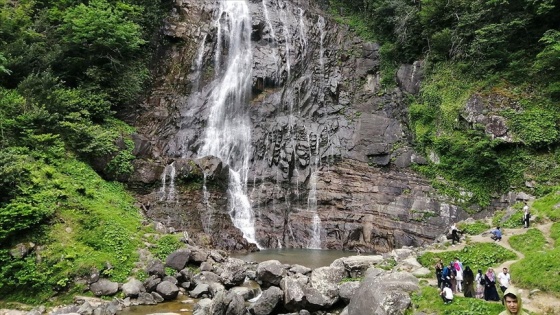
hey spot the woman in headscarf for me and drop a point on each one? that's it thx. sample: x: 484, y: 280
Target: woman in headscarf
x: 490, y: 291
x: 453, y: 277
x: 479, y: 279
x: 468, y: 281
x: 459, y: 277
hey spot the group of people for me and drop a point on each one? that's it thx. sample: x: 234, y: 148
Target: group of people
x: 453, y: 278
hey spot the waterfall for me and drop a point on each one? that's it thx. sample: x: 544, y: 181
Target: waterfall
x: 303, y: 33
x: 167, y: 191
x: 285, y: 29
x: 228, y: 132
x: 315, y: 241
x: 198, y: 63
x: 271, y: 39
x: 321, y: 25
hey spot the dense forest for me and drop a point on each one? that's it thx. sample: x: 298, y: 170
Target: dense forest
x: 69, y: 68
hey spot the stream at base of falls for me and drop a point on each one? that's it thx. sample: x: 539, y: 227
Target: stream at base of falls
x: 311, y: 258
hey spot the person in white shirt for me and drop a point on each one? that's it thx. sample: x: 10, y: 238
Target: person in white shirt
x: 446, y: 294
x: 526, y: 215
x: 504, y: 277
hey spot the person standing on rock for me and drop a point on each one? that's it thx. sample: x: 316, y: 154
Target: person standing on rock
x: 504, y: 277
x: 454, y: 234
x: 468, y: 281
x: 526, y: 215
x: 512, y: 302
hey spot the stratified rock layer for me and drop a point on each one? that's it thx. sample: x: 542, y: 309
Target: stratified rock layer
x: 330, y: 145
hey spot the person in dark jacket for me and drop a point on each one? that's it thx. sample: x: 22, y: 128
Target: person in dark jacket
x: 468, y: 279
x: 453, y: 277
x: 439, y: 272
x: 490, y: 291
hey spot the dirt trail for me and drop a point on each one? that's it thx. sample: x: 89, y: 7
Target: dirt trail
x: 536, y: 302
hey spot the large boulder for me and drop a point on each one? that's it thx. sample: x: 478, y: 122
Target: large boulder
x: 104, y: 287
x: 202, y: 307
x: 227, y: 303
x: 133, y: 288
x: 151, y: 283
x: 383, y: 293
x: 326, y: 280
x: 267, y: 302
x: 178, y: 259
x: 167, y: 290
x: 270, y: 272
x: 156, y: 267
x: 233, y: 272
x: 356, y: 266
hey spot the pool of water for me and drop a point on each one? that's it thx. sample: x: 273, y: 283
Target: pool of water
x: 312, y: 258
x: 182, y: 305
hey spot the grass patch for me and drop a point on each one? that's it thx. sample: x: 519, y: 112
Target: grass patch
x: 428, y: 301
x: 165, y: 245
x: 95, y: 226
x: 477, y: 256
x: 510, y: 221
x: 538, y: 270
x: 555, y: 233
x: 531, y: 241
x: 548, y: 206
x: 473, y: 228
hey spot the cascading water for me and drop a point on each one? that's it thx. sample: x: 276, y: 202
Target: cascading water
x: 167, y: 191
x: 321, y: 25
x: 272, y: 41
x: 302, y: 30
x: 228, y: 132
x: 315, y: 241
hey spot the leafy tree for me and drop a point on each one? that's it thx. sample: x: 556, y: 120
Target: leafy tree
x: 98, y: 35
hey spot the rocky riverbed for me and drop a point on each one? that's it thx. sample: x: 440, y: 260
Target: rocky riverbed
x: 224, y: 285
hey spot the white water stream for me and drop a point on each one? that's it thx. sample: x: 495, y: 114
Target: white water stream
x: 228, y: 132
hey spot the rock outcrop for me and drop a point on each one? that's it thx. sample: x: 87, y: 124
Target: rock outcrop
x: 330, y: 146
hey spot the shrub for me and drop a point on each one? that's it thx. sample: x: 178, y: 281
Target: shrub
x: 165, y: 246
x: 477, y: 256
x: 474, y: 228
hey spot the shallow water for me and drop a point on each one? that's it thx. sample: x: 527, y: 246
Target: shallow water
x: 312, y: 258
x: 182, y: 305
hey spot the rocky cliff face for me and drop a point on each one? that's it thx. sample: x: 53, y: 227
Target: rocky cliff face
x: 330, y: 151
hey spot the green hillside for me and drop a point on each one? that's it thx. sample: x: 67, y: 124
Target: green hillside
x: 70, y: 68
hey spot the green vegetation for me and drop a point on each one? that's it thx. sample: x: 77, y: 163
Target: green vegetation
x: 501, y: 56
x: 66, y: 69
x: 427, y: 300
x: 514, y: 220
x: 477, y: 256
x: 165, y: 245
x: 93, y: 226
x: 531, y: 241
x: 539, y: 267
x: 548, y: 206
x: 473, y: 228
x: 555, y: 233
